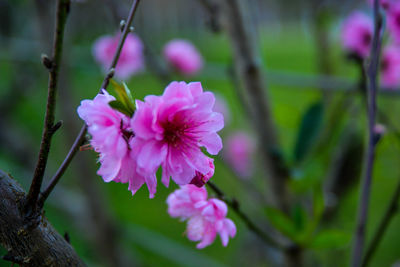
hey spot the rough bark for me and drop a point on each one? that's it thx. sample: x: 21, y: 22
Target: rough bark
x: 39, y: 246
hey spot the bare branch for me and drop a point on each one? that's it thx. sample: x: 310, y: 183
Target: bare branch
x: 53, y: 65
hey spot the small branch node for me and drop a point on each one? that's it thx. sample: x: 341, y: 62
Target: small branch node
x: 47, y: 62
x: 122, y: 24
x: 56, y: 126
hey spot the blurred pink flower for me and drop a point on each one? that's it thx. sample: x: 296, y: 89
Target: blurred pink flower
x: 182, y: 202
x: 239, y: 149
x: 111, y: 137
x: 206, y: 218
x: 390, y: 66
x: 222, y: 107
x: 170, y: 129
x: 357, y: 31
x: 131, y: 59
x: 183, y: 56
x: 393, y: 21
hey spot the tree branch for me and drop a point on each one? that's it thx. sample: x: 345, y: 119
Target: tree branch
x: 48, y: 129
x: 81, y: 136
x: 234, y: 204
x: 40, y: 246
x: 366, y: 183
x: 391, y: 211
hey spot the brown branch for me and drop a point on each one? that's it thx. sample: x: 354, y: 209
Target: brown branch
x: 48, y: 129
x: 81, y: 136
x: 372, y: 72
x: 40, y: 246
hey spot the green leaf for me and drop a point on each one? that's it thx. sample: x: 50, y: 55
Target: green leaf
x: 124, y: 95
x: 330, y: 239
x: 308, y: 130
x: 299, y: 217
x: 118, y: 105
x: 282, y: 223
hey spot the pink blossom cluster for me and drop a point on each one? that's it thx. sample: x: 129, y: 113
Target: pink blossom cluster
x: 205, y: 218
x: 131, y: 59
x: 165, y: 131
x: 357, y: 32
x: 180, y: 54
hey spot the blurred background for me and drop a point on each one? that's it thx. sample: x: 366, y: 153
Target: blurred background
x: 312, y: 89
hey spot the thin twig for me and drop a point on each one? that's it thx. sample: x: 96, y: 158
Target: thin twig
x: 391, y: 211
x: 233, y: 203
x: 366, y: 183
x: 48, y: 129
x: 81, y: 136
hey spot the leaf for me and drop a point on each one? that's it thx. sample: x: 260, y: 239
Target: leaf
x: 124, y: 95
x: 299, y: 217
x: 282, y: 222
x: 118, y: 105
x: 330, y: 239
x: 308, y: 130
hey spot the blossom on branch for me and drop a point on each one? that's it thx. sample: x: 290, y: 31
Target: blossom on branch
x: 167, y: 131
x: 111, y: 137
x: 183, y: 56
x: 206, y: 218
x: 131, y: 59
x: 170, y: 129
x: 357, y: 31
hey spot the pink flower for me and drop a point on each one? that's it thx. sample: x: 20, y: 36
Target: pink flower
x: 111, y: 138
x: 182, y: 202
x: 212, y: 220
x: 131, y: 59
x: 357, y: 34
x: 393, y: 21
x: 206, y: 219
x: 183, y: 56
x: 390, y: 66
x: 239, y: 149
x: 170, y: 129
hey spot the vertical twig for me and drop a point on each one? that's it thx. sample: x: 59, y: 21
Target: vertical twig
x: 366, y: 182
x: 391, y: 210
x: 49, y: 128
x: 81, y: 136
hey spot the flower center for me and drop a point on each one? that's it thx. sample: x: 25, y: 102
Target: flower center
x: 173, y: 133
